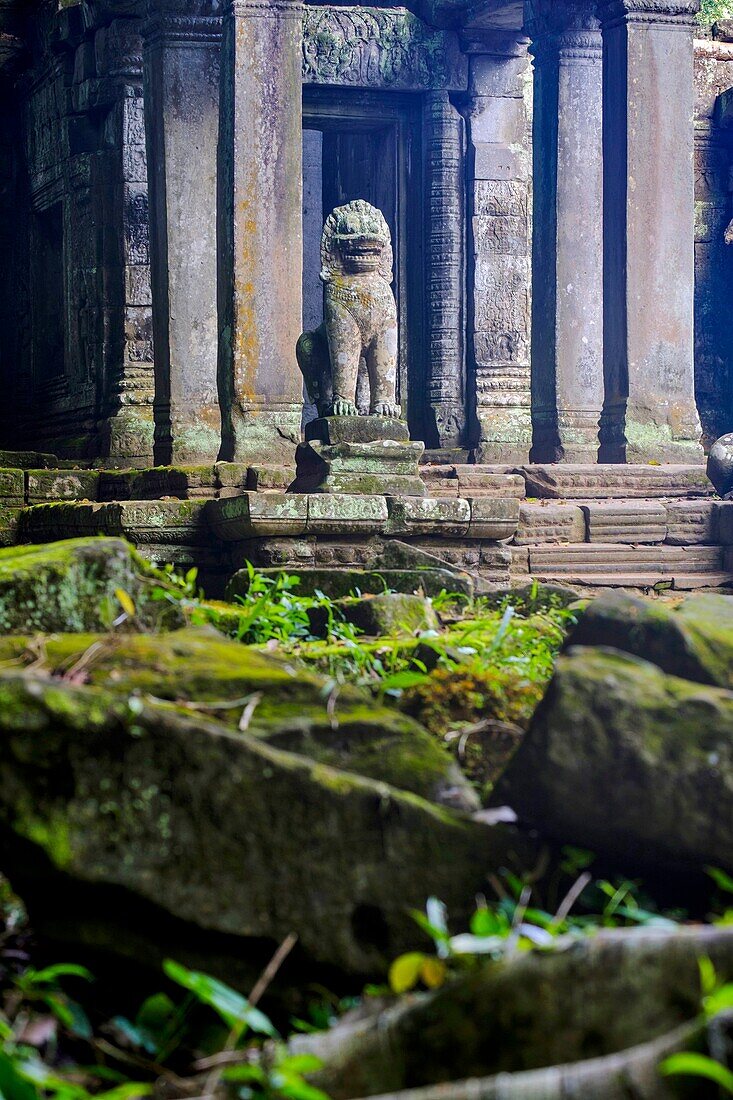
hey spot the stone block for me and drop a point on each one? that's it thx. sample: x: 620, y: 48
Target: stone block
x: 691, y: 521
x: 382, y: 466
x: 494, y: 161
x: 579, y: 481
x: 12, y: 487
x: 501, y: 197
x: 27, y: 460
x: 9, y: 525
x: 502, y: 120
x: 550, y: 524
x: 42, y: 485
x: 231, y: 478
x: 630, y: 521
x: 268, y: 478
x: 478, y: 481
x: 500, y: 234
x: 428, y: 515
x: 493, y: 518
x: 724, y: 519
x: 254, y: 515
x: 498, y: 77
x: 138, y: 291
x: 357, y: 429
x: 330, y: 514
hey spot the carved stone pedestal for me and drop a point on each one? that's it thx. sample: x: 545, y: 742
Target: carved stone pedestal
x: 359, y: 454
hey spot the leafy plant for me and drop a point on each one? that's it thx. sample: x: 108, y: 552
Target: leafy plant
x: 717, y: 998
x: 512, y: 924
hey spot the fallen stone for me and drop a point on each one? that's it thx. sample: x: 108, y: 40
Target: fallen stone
x: 74, y: 586
x: 201, y: 673
x: 720, y: 465
x: 177, y: 834
x: 628, y: 762
x: 384, y: 615
x: 589, y: 999
x: 337, y: 583
x: 692, y: 639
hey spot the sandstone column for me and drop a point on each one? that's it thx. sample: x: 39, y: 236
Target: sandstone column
x: 567, y: 308
x: 181, y: 63
x: 260, y: 229
x: 650, y: 410
x: 445, y: 289
x: 500, y: 196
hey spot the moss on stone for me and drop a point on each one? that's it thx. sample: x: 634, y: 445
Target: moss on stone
x: 197, y: 672
x: 73, y: 586
x: 134, y: 800
x: 630, y: 763
x: 692, y: 638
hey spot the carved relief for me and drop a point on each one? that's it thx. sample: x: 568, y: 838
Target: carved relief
x: 379, y: 48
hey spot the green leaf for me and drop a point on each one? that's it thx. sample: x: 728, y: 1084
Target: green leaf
x: 60, y: 970
x: 404, y: 973
x: 708, y: 977
x: 13, y: 1086
x: 720, y: 1000
x: 722, y: 881
x: 234, y: 1009
x: 689, y: 1064
x: 128, y: 1091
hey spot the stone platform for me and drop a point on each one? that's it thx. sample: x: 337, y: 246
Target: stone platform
x: 644, y: 527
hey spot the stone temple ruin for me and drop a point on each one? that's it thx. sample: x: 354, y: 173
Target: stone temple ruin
x: 554, y: 178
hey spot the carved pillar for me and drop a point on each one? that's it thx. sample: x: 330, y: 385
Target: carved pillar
x: 260, y: 233
x: 445, y: 268
x: 567, y: 307
x: 650, y: 410
x: 182, y: 111
x: 499, y: 113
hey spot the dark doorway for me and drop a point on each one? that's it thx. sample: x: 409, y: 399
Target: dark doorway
x: 361, y: 145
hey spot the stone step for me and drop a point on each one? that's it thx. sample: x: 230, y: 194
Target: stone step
x: 611, y: 559
x: 625, y: 521
x: 607, y: 481
x: 683, y: 582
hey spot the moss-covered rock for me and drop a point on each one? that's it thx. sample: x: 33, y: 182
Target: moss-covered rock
x: 75, y: 585
x: 692, y: 639
x: 389, y: 614
x: 166, y: 833
x: 589, y: 999
x: 628, y: 762
x: 199, y: 673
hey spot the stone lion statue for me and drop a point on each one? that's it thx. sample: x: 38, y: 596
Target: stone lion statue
x: 356, y: 346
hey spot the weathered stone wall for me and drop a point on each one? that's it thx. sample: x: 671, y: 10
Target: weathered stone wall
x: 72, y: 146
x: 713, y: 258
x: 83, y: 208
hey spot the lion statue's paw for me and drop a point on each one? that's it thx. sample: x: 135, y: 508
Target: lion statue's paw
x: 386, y: 408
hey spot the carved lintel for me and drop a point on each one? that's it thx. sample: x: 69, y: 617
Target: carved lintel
x: 548, y: 18
x: 664, y: 13
x: 168, y: 29
x: 379, y: 48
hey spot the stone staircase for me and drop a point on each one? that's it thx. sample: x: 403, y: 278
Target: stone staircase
x: 645, y: 527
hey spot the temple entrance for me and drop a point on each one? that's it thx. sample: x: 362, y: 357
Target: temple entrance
x: 358, y: 145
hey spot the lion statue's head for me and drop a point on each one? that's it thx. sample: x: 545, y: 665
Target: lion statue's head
x: 356, y: 241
